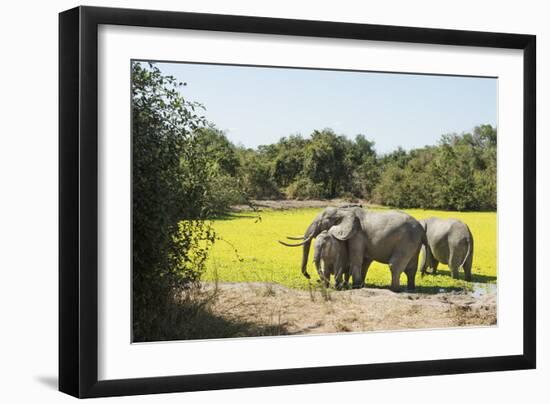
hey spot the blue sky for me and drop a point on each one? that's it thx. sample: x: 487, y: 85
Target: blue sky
x: 256, y: 105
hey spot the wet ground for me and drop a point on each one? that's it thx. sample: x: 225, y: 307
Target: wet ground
x: 482, y: 289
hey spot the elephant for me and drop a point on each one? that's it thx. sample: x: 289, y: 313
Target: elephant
x: 330, y: 256
x: 390, y: 237
x: 450, y: 241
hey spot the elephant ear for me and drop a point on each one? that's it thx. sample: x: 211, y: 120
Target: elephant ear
x: 346, y: 229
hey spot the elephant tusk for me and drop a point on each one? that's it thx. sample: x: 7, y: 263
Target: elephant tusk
x: 295, y: 238
x: 307, y: 240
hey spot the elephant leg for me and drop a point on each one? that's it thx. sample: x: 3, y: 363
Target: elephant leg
x: 338, y: 277
x: 347, y: 274
x: 454, y: 265
x: 356, y: 278
x: 326, y: 275
x: 365, y: 268
x: 435, y: 263
x: 355, y: 269
x: 319, y: 267
x: 410, y: 271
x: 397, y: 266
x: 356, y: 264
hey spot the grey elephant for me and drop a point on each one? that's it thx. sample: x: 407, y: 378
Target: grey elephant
x: 390, y: 237
x: 330, y: 256
x: 450, y: 242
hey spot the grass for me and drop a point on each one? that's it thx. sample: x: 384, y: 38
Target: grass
x: 248, y: 250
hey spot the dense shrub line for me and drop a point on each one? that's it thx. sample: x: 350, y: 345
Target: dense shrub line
x: 459, y: 173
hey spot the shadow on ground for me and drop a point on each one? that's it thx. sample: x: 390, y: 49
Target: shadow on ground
x: 236, y: 215
x: 205, y: 324
x: 431, y: 289
x: 434, y: 289
x: 475, y: 277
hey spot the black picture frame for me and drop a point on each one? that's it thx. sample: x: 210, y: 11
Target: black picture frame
x: 78, y: 201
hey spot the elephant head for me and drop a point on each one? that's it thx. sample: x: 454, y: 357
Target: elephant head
x: 342, y: 223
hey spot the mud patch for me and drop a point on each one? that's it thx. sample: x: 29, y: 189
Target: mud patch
x: 283, y: 204
x: 286, y: 311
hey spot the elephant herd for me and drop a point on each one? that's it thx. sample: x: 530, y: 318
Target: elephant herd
x: 349, y: 238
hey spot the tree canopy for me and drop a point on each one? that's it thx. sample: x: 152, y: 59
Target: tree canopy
x: 459, y: 173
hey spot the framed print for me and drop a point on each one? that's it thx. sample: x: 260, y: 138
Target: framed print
x: 250, y: 201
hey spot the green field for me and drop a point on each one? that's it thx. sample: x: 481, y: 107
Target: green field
x: 248, y: 250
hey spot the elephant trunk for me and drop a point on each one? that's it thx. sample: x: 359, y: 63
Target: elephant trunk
x: 309, y: 234
x: 426, y: 252
x: 305, y: 255
x: 423, y: 259
x: 317, y: 257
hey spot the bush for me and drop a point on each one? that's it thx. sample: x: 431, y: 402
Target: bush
x: 390, y: 190
x: 364, y: 178
x: 257, y: 178
x: 224, y: 191
x: 459, y: 174
x: 169, y: 180
x: 304, y: 188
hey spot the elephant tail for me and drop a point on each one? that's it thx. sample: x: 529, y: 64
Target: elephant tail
x: 469, y: 254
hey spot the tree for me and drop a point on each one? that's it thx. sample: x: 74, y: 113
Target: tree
x: 454, y: 175
x: 224, y: 187
x: 399, y: 157
x: 325, y: 162
x: 364, y: 167
x: 458, y: 174
x: 288, y: 162
x: 221, y: 152
x: 169, y: 195
x: 256, y: 175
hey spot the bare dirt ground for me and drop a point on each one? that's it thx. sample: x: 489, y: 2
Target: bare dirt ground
x: 297, y: 204
x: 272, y: 309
